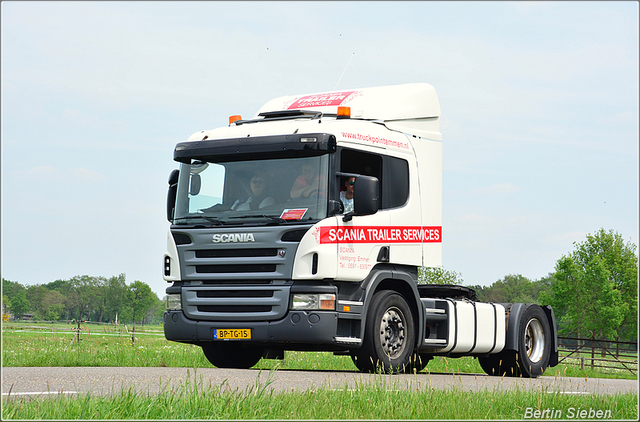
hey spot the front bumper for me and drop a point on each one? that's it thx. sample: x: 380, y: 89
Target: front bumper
x: 297, y: 327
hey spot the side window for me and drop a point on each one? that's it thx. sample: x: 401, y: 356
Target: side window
x: 352, y: 161
x: 395, y: 185
x: 392, y: 172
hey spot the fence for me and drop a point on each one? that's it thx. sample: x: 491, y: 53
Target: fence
x: 83, y: 328
x: 613, y: 355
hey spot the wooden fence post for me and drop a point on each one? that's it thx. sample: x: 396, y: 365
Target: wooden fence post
x: 593, y: 348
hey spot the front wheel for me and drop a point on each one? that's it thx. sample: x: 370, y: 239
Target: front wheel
x: 389, y: 339
x: 232, y: 354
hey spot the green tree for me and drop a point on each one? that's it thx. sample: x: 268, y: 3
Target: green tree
x: 118, y: 298
x: 594, y: 289
x: 65, y: 288
x: 101, y: 298
x: 434, y: 275
x: 35, y: 294
x: 512, y: 288
x: 10, y: 288
x: 143, y: 300
x: 20, y: 304
x: 83, y: 295
x: 52, y: 306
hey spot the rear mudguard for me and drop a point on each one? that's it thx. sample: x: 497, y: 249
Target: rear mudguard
x: 514, y: 313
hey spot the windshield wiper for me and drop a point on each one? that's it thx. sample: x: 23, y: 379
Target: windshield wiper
x: 268, y: 217
x: 213, y: 220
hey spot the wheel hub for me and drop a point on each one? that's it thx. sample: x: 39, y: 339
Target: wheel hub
x: 392, y: 333
x: 534, y: 340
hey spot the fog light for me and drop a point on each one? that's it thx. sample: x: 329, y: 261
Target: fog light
x: 172, y: 303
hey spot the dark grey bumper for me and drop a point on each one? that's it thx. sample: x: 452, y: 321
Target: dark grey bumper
x: 313, y: 327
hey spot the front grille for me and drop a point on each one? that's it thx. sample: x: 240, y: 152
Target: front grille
x: 240, y: 281
x: 236, y: 253
x: 239, y: 268
x: 225, y: 302
x: 268, y: 256
x: 234, y: 293
x: 234, y: 309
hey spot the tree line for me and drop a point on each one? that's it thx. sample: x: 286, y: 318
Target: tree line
x: 86, y: 298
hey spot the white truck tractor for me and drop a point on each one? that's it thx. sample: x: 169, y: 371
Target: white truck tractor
x: 303, y: 228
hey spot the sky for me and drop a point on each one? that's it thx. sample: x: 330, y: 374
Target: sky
x: 539, y: 106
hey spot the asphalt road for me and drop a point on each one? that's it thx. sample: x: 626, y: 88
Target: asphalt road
x: 37, y: 382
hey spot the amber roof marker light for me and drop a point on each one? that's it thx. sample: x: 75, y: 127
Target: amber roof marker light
x: 344, y: 112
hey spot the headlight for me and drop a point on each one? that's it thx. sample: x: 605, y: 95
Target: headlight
x: 172, y: 303
x: 313, y: 301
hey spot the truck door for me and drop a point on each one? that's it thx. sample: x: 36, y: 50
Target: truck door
x: 360, y: 239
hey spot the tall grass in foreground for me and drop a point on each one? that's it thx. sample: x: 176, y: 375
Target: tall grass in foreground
x: 58, y: 348
x: 195, y: 401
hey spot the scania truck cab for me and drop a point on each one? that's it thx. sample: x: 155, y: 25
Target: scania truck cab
x: 264, y: 256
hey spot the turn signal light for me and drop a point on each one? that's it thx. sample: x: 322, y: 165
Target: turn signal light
x: 234, y: 118
x: 344, y: 112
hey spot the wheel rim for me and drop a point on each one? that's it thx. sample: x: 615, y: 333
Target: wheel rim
x: 534, y: 340
x: 392, y: 333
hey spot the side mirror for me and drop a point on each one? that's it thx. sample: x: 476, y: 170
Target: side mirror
x: 195, y: 184
x: 171, y: 194
x: 365, y: 197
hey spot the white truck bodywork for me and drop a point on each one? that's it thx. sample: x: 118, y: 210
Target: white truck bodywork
x: 391, y: 135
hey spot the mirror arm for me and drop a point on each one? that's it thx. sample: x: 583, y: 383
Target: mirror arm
x: 348, y: 216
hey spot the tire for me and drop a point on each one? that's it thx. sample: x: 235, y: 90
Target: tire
x: 534, y: 343
x: 534, y: 348
x: 501, y: 364
x: 232, y: 355
x: 389, y: 339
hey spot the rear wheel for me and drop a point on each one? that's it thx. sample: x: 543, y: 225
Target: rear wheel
x: 500, y: 364
x: 232, y: 354
x: 534, y: 348
x: 389, y: 339
x: 534, y: 343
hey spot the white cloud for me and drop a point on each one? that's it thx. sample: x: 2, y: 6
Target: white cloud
x: 497, y: 189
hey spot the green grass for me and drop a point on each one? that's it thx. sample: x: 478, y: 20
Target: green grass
x: 101, y: 346
x: 196, y: 401
x: 104, y: 346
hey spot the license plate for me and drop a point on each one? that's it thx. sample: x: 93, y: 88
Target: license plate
x: 232, y: 334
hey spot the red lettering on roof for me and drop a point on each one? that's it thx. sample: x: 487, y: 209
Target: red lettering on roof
x: 321, y: 100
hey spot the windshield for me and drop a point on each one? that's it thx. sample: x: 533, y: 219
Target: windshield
x: 291, y: 189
